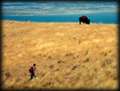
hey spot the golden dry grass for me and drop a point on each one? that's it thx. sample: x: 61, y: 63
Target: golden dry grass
x: 68, y: 55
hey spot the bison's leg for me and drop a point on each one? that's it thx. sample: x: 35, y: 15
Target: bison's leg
x: 80, y: 21
x: 88, y: 22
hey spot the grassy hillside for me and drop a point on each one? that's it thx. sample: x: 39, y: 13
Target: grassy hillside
x: 67, y: 55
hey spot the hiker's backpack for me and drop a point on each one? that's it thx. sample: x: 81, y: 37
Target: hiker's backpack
x: 31, y: 70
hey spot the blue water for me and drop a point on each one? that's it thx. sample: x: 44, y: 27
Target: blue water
x: 98, y: 12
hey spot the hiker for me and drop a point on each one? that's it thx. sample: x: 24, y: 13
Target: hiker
x: 32, y: 71
x: 84, y: 19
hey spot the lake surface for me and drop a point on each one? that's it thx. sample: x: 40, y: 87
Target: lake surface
x: 98, y: 12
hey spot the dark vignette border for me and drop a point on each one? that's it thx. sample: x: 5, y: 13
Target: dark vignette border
x: 45, y: 89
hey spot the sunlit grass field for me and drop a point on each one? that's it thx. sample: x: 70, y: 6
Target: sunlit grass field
x: 67, y: 55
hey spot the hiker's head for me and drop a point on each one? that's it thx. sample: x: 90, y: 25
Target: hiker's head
x: 34, y: 64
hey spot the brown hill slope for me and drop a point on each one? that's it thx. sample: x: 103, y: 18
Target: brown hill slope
x: 67, y: 55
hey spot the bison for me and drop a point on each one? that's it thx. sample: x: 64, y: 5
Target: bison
x: 84, y: 19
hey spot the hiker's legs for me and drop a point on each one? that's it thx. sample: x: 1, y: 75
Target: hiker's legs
x: 32, y: 75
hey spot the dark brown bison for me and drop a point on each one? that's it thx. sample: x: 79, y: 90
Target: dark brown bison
x: 84, y: 19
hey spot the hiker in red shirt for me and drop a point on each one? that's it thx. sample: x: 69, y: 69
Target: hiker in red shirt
x: 32, y: 71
